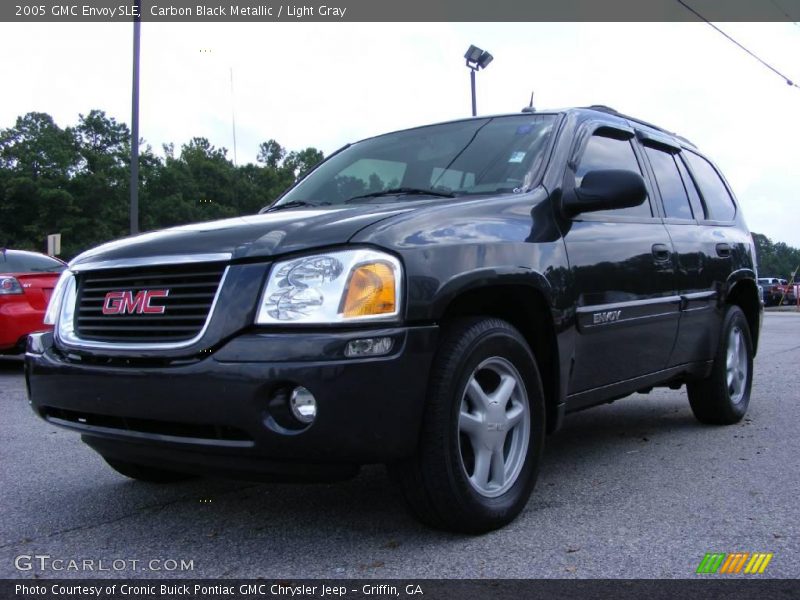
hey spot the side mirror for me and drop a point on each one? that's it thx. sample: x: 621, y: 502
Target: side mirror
x: 605, y: 189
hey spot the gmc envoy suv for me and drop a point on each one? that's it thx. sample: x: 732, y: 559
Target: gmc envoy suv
x: 435, y: 299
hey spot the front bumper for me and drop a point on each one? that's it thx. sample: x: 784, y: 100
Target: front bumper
x: 211, y: 414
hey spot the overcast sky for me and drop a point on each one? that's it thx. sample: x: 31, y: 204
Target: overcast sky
x: 324, y: 85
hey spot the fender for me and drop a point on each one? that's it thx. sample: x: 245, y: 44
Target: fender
x: 489, y: 277
x: 741, y: 289
x: 737, y: 277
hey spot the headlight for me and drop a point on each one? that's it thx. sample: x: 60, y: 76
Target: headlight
x: 53, y: 307
x: 336, y: 287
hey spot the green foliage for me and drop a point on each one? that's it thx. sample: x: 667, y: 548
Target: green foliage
x: 775, y: 259
x: 76, y: 181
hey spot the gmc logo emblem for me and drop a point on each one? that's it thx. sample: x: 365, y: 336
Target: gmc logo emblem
x: 125, y: 303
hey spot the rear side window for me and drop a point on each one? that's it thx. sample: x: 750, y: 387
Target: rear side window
x: 29, y: 263
x: 608, y: 153
x: 718, y: 201
x: 691, y: 189
x: 670, y: 184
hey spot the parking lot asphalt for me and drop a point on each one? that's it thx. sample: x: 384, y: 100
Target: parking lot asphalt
x: 633, y: 489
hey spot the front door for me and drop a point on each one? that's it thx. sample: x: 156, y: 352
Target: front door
x: 621, y: 262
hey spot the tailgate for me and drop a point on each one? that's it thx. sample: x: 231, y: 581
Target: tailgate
x: 37, y: 287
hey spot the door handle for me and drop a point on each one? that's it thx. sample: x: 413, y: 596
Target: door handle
x: 661, y: 252
x: 723, y: 250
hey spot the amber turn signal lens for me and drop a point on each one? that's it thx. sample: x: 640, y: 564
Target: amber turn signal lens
x: 370, y: 291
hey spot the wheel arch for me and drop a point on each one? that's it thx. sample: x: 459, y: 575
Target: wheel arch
x: 526, y: 306
x: 743, y: 292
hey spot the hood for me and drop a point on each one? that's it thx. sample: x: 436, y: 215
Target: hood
x: 268, y: 234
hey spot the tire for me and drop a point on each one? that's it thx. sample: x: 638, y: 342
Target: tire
x: 145, y: 473
x: 483, y: 370
x: 722, y: 398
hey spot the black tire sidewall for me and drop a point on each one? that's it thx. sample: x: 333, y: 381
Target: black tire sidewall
x: 735, y: 317
x: 709, y: 397
x: 504, y: 342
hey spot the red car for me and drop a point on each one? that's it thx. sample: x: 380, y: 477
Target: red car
x: 26, y: 282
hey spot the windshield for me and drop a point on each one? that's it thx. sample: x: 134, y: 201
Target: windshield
x: 29, y: 263
x: 480, y: 156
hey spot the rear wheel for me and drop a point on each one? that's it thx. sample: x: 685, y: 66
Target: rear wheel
x: 483, y: 433
x: 146, y: 473
x: 722, y: 398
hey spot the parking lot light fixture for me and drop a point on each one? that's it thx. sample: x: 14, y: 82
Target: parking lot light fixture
x: 477, y: 59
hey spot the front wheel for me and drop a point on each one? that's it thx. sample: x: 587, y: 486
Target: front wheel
x: 722, y: 398
x: 483, y: 432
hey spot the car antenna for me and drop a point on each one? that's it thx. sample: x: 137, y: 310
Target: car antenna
x: 529, y: 108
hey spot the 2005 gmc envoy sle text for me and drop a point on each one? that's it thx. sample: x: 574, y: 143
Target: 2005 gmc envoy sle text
x: 435, y: 299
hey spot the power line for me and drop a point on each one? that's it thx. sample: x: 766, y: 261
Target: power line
x: 783, y: 11
x: 758, y: 58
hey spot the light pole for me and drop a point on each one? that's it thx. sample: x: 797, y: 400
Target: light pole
x: 476, y: 59
x: 137, y: 24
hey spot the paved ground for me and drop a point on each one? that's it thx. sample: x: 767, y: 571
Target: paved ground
x: 634, y: 489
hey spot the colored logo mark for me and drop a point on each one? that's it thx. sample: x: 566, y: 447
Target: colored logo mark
x: 735, y: 563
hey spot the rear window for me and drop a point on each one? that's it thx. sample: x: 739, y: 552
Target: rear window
x: 29, y: 263
x: 718, y: 201
x: 670, y: 184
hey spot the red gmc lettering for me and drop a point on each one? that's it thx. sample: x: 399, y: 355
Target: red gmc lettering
x: 124, y: 302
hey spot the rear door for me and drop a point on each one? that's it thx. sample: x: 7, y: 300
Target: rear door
x: 622, y: 267
x: 715, y: 245
x: 695, y: 269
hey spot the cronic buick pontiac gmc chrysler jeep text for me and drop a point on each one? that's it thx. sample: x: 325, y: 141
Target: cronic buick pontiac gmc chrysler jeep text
x: 436, y: 299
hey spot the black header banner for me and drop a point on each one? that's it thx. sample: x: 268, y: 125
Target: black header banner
x: 397, y: 11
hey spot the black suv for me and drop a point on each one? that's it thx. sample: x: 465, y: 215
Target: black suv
x: 436, y: 299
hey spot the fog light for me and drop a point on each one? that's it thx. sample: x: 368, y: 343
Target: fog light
x: 369, y: 347
x: 303, y: 405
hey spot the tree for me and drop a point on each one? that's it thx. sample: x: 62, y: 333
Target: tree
x: 775, y: 259
x: 103, y: 143
x: 299, y: 163
x: 36, y: 147
x: 76, y: 181
x: 38, y: 160
x: 270, y: 153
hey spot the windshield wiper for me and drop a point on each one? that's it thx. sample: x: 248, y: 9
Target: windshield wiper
x: 404, y: 191
x: 294, y: 204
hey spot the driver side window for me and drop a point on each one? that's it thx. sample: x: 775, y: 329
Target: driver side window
x: 608, y: 153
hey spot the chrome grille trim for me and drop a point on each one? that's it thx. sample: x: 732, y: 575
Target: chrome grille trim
x: 152, y: 261
x: 68, y: 337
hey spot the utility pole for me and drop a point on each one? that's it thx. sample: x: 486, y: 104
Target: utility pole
x: 233, y: 119
x: 137, y: 24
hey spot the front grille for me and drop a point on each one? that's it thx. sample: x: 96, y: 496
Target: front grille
x: 192, y: 289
